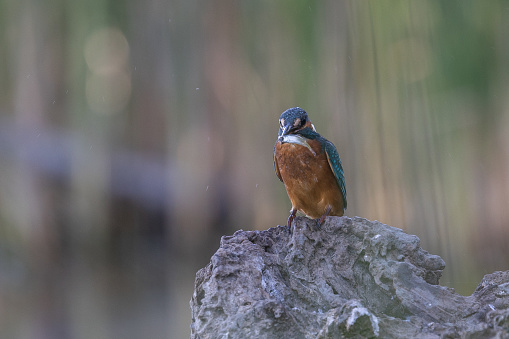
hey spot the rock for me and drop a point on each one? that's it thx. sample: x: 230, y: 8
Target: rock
x: 351, y: 278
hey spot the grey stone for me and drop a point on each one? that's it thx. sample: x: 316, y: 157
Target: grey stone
x: 352, y: 278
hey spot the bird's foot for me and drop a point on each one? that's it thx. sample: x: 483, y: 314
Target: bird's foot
x: 322, y: 218
x: 290, y: 219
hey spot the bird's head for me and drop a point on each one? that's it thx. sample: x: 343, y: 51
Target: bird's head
x: 293, y: 120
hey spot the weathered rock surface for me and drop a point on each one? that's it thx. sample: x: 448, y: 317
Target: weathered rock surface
x: 352, y: 278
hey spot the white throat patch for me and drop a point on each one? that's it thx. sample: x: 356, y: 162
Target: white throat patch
x: 297, y: 139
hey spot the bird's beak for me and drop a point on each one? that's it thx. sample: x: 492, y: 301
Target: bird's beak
x: 286, y: 129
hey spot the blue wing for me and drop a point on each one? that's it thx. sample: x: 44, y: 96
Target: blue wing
x: 337, y: 168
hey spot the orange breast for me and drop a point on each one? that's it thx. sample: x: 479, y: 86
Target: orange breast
x: 308, y: 178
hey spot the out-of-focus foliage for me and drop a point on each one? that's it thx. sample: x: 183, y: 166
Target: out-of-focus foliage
x: 134, y: 134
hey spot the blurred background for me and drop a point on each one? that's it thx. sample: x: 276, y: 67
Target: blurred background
x: 134, y: 134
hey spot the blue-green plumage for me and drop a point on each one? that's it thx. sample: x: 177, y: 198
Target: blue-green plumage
x: 337, y: 168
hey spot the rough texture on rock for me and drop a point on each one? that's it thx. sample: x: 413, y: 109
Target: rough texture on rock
x: 351, y: 278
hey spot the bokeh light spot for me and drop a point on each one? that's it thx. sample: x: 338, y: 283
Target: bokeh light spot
x: 108, y: 86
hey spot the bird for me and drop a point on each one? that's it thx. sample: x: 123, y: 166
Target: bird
x: 310, y: 168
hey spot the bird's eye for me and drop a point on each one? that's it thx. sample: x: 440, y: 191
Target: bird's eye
x: 303, y: 121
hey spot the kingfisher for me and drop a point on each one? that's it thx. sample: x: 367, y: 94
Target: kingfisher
x: 310, y: 167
